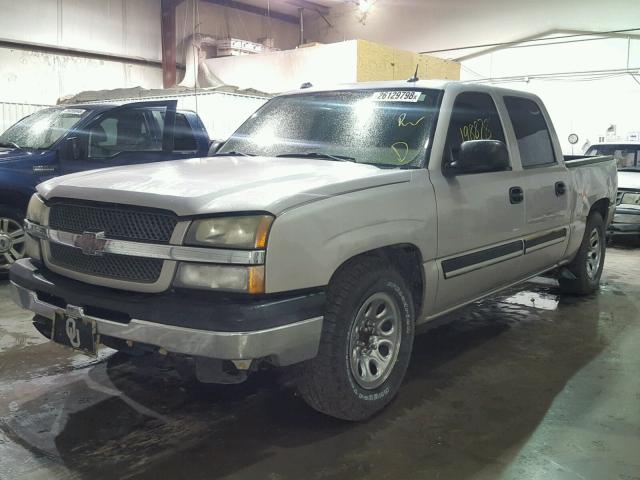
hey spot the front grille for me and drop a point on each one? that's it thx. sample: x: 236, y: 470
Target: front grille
x: 118, y: 222
x: 119, y: 267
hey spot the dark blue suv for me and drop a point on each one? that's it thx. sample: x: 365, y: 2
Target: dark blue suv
x: 68, y: 139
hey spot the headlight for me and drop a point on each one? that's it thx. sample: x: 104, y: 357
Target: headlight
x: 36, y: 209
x: 248, y: 232
x: 221, y: 277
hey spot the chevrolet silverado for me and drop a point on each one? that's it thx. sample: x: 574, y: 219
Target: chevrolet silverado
x: 330, y: 226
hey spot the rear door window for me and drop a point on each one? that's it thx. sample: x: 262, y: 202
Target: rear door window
x: 183, y: 139
x: 532, y: 133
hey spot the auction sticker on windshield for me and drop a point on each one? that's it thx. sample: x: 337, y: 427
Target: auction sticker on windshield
x: 73, y: 111
x: 397, y: 96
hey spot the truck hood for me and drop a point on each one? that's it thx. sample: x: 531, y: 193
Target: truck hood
x: 629, y: 179
x: 222, y: 184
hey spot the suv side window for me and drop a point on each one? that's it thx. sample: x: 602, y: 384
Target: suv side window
x: 130, y: 130
x: 474, y: 117
x: 183, y: 138
x: 532, y: 133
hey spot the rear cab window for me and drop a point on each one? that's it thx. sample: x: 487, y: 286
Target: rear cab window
x: 532, y: 133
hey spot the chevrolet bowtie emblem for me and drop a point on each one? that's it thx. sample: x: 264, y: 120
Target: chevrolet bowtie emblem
x: 91, y: 243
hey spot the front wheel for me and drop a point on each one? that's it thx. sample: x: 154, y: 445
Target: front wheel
x: 12, y: 238
x: 587, y: 265
x: 366, y: 342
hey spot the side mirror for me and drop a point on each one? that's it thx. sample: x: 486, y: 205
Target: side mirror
x: 214, y: 146
x: 479, y: 156
x: 70, y: 149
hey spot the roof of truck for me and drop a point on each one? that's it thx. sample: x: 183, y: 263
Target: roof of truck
x: 409, y: 85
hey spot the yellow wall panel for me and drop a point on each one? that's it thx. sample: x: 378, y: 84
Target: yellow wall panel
x: 381, y: 62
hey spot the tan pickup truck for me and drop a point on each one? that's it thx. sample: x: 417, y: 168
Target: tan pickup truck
x: 328, y: 227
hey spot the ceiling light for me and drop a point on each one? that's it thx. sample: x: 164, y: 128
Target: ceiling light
x: 365, y: 5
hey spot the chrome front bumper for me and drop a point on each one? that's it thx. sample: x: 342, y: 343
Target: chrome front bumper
x: 283, y: 345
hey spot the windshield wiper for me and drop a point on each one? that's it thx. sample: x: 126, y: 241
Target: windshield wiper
x: 326, y: 156
x: 10, y: 145
x: 233, y: 154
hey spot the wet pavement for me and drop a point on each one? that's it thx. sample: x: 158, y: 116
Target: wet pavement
x: 526, y: 385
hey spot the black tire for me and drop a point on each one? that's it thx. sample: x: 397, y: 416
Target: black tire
x: 327, y: 382
x: 586, y: 279
x: 17, y: 216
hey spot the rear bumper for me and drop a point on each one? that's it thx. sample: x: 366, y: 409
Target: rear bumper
x: 284, y: 342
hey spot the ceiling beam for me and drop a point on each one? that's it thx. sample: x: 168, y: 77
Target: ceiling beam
x: 307, y: 5
x: 245, y: 7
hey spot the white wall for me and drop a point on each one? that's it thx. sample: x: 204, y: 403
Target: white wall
x: 120, y: 27
x: 282, y: 71
x: 586, y: 105
x: 34, y: 77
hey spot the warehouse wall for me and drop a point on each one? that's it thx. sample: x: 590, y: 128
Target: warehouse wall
x: 128, y: 28
x: 121, y: 27
x: 586, y: 103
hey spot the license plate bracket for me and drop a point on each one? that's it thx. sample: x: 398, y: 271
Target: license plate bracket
x: 76, y: 331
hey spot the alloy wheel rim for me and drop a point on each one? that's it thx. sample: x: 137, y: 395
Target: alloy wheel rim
x: 374, y: 341
x: 12, y: 242
x: 594, y: 252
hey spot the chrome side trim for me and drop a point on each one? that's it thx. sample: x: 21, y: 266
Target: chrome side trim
x: 284, y: 345
x: 150, y: 250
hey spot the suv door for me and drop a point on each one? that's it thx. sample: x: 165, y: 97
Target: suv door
x: 479, y: 224
x: 546, y: 194
x: 140, y: 132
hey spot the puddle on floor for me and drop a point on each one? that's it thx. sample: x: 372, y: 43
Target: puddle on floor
x: 540, y: 300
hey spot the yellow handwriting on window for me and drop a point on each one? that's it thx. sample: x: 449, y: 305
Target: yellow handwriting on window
x: 476, y: 130
x: 401, y: 149
x: 406, y: 123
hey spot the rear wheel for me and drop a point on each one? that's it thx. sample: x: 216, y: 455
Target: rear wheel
x: 366, y: 342
x: 587, y: 265
x: 12, y: 238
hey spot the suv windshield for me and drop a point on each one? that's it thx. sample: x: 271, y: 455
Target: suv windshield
x: 43, y: 128
x: 382, y: 127
x: 627, y: 156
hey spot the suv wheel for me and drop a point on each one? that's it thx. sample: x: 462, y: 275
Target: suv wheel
x: 366, y: 342
x: 12, y: 238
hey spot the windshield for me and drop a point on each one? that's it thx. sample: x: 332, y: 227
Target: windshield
x: 626, y: 156
x: 43, y: 128
x: 382, y: 127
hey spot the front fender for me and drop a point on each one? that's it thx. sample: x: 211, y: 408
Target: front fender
x: 309, y: 243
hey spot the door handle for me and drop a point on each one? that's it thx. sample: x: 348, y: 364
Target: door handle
x: 561, y: 189
x: 516, y: 195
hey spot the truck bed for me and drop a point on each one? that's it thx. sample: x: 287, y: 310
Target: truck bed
x: 572, y: 161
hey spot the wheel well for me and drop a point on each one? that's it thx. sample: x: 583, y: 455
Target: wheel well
x: 602, y: 207
x: 14, y: 199
x: 407, y: 259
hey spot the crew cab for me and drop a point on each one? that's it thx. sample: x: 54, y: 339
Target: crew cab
x: 626, y: 220
x: 326, y: 230
x: 75, y: 138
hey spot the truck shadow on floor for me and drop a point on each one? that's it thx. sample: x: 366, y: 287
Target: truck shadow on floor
x: 476, y: 388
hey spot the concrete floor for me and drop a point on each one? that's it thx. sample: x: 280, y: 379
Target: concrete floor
x: 526, y: 385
